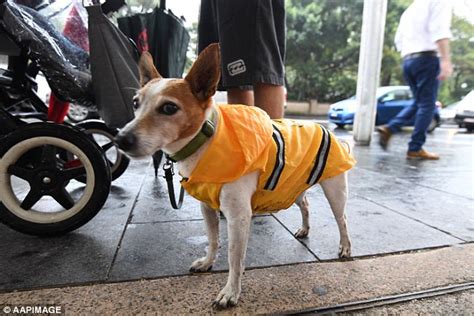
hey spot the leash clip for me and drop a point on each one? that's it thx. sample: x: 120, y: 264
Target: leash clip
x: 168, y: 168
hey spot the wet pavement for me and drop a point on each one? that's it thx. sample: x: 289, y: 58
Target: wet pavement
x: 395, y: 206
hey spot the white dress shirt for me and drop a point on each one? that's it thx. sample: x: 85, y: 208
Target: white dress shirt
x: 422, y: 24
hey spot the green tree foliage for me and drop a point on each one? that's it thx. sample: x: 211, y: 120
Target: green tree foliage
x: 462, y: 52
x: 323, y: 40
x: 322, y: 48
x: 391, y: 71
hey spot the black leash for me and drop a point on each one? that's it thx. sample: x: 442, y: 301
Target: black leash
x: 169, y: 173
x: 157, y: 157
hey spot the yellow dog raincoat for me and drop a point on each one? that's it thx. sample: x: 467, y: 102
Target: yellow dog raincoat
x: 290, y: 155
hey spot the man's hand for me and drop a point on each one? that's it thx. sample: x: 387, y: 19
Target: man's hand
x: 446, y: 69
x: 445, y: 59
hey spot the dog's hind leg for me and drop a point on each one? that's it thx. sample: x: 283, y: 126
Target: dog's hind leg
x: 211, y: 218
x: 335, y: 190
x: 302, y: 202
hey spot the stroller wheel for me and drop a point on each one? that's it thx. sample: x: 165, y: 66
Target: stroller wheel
x: 104, y: 137
x: 39, y: 193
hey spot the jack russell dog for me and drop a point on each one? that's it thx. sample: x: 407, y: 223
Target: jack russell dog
x: 234, y: 158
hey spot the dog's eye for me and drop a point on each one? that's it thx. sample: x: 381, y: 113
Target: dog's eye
x: 168, y: 109
x: 136, y: 103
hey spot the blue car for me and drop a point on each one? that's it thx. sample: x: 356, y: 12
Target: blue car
x: 390, y: 101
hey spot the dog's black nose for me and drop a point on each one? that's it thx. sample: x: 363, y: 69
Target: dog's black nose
x: 126, y: 141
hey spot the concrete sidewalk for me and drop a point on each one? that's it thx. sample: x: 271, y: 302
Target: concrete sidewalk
x: 282, y: 289
x: 395, y: 207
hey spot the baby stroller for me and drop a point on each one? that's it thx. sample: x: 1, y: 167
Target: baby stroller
x: 54, y: 177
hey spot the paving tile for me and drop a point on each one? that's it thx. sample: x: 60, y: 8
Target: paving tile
x: 370, y: 184
x: 397, y: 165
x: 84, y: 255
x: 445, y: 211
x: 373, y: 229
x: 456, y: 150
x: 161, y: 249
x: 153, y: 204
x: 400, y: 167
x: 269, y: 244
x: 459, y: 183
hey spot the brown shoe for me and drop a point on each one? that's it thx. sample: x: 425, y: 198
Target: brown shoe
x: 385, y: 135
x: 422, y: 155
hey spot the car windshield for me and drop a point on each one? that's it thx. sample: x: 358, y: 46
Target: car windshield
x: 382, y: 90
x: 467, y: 103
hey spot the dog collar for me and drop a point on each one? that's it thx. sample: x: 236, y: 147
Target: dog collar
x: 207, y: 130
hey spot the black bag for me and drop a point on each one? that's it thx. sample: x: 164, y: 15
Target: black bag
x: 163, y: 35
x: 114, y: 69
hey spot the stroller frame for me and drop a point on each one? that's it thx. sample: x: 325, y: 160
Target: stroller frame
x: 45, y: 165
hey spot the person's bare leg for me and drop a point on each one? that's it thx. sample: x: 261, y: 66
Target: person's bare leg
x: 270, y: 98
x: 239, y: 96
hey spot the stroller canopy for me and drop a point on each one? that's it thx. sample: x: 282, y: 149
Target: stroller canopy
x: 64, y: 64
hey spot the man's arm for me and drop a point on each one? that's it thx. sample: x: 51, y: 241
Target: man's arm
x: 445, y: 59
x: 439, y: 25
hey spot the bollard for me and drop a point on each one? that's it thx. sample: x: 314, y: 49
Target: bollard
x: 368, y: 77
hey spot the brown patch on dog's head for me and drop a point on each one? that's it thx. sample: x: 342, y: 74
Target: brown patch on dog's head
x: 155, y: 128
x: 147, y: 69
x: 195, y: 113
x: 205, y: 73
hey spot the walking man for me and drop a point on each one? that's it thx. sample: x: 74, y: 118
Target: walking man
x: 423, y: 38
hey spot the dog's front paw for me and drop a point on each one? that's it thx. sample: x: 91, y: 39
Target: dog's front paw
x: 302, y: 232
x: 228, y: 297
x: 201, y: 265
x: 345, y: 250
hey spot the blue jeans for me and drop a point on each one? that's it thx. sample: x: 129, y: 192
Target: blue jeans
x: 421, y: 75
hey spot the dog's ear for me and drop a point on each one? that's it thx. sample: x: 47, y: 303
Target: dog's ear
x: 205, y: 73
x: 147, y: 69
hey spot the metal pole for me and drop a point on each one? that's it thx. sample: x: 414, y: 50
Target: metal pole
x: 370, y: 59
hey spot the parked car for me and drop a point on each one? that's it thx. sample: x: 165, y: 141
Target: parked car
x: 465, y: 112
x: 78, y: 113
x: 390, y: 101
x: 448, y: 113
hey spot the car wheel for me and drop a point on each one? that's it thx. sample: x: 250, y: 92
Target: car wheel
x: 77, y: 113
x: 433, y: 125
x: 340, y: 125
